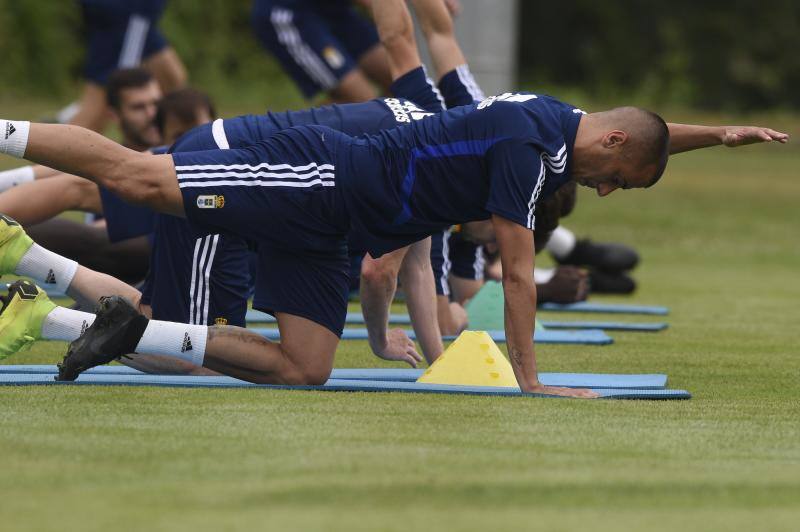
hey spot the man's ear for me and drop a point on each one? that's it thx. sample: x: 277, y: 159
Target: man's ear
x: 615, y: 139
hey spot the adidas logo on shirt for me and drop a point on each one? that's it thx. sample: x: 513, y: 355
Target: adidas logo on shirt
x: 10, y: 129
x: 187, y: 343
x: 51, y: 277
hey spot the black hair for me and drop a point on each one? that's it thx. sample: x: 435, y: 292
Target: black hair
x: 184, y: 104
x: 126, y: 78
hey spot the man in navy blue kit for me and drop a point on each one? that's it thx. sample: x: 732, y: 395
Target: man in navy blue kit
x: 300, y: 193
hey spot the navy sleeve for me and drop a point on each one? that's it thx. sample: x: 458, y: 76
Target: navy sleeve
x: 516, y: 179
x: 417, y: 87
x: 458, y: 87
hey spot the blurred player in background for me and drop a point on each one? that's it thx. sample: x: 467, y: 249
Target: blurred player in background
x: 121, y: 34
x: 325, y: 46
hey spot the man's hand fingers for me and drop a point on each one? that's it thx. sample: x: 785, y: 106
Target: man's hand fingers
x: 777, y: 135
x: 410, y: 359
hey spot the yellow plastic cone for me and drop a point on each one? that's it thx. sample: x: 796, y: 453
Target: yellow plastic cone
x: 473, y: 359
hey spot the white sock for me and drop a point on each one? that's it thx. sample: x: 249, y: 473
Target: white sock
x: 17, y: 176
x: 543, y: 275
x: 48, y: 269
x: 14, y: 137
x: 561, y: 243
x: 180, y: 340
x: 65, y: 115
x: 66, y: 324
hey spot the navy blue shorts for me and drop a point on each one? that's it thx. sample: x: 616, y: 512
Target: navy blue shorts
x: 200, y: 278
x: 286, y: 200
x: 123, y: 220
x: 316, y: 42
x: 466, y: 258
x: 440, y: 262
x: 120, y: 35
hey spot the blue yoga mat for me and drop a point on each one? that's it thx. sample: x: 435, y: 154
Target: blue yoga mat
x: 570, y: 380
x: 589, y: 336
x: 605, y: 325
x: 607, y: 308
x: 356, y: 318
x: 333, y: 385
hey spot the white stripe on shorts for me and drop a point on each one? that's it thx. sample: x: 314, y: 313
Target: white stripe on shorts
x: 133, y: 43
x: 304, y: 56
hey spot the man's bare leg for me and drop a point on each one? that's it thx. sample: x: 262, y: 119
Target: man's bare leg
x: 304, y: 355
x: 437, y: 26
x: 168, y: 69
x: 396, y: 31
x: 353, y: 87
x: 93, y: 112
x: 138, y: 178
x: 374, y: 64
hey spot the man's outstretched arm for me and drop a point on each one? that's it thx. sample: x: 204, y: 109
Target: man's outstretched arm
x: 139, y: 178
x: 516, y: 254
x: 687, y: 137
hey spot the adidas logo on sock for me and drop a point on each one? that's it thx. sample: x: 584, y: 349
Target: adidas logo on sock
x: 51, y: 277
x: 10, y: 129
x: 187, y: 343
x: 84, y: 326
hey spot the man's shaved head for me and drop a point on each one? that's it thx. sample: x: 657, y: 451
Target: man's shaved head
x: 648, y: 142
x: 626, y: 147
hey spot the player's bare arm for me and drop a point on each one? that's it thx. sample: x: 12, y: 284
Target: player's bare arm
x: 416, y: 276
x: 378, y: 285
x: 687, y: 137
x: 516, y: 253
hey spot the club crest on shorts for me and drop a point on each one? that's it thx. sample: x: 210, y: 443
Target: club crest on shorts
x: 210, y: 202
x: 220, y: 321
x: 333, y: 57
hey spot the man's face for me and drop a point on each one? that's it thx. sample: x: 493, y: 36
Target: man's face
x: 174, y: 127
x: 137, y: 114
x: 619, y: 176
x: 609, y: 167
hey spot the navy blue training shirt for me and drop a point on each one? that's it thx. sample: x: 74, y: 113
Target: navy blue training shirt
x: 498, y: 156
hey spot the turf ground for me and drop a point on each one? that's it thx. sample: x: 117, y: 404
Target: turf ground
x: 720, y: 246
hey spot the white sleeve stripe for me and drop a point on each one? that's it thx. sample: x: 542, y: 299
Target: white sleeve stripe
x: 537, y: 190
x: 218, y: 130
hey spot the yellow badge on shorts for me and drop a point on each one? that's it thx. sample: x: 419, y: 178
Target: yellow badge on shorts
x: 220, y: 321
x: 333, y: 57
x: 210, y: 202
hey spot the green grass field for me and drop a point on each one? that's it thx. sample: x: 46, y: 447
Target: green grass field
x: 720, y: 246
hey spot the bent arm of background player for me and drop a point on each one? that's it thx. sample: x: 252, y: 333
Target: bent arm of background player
x: 38, y: 201
x: 139, y: 178
x: 687, y: 137
x: 24, y: 174
x: 516, y: 253
x: 378, y: 285
x: 416, y: 276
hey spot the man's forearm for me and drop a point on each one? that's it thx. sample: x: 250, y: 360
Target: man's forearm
x: 520, y: 315
x: 420, y: 290
x: 687, y: 137
x: 378, y: 285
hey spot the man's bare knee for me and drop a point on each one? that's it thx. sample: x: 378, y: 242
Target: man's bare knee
x: 296, y: 373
